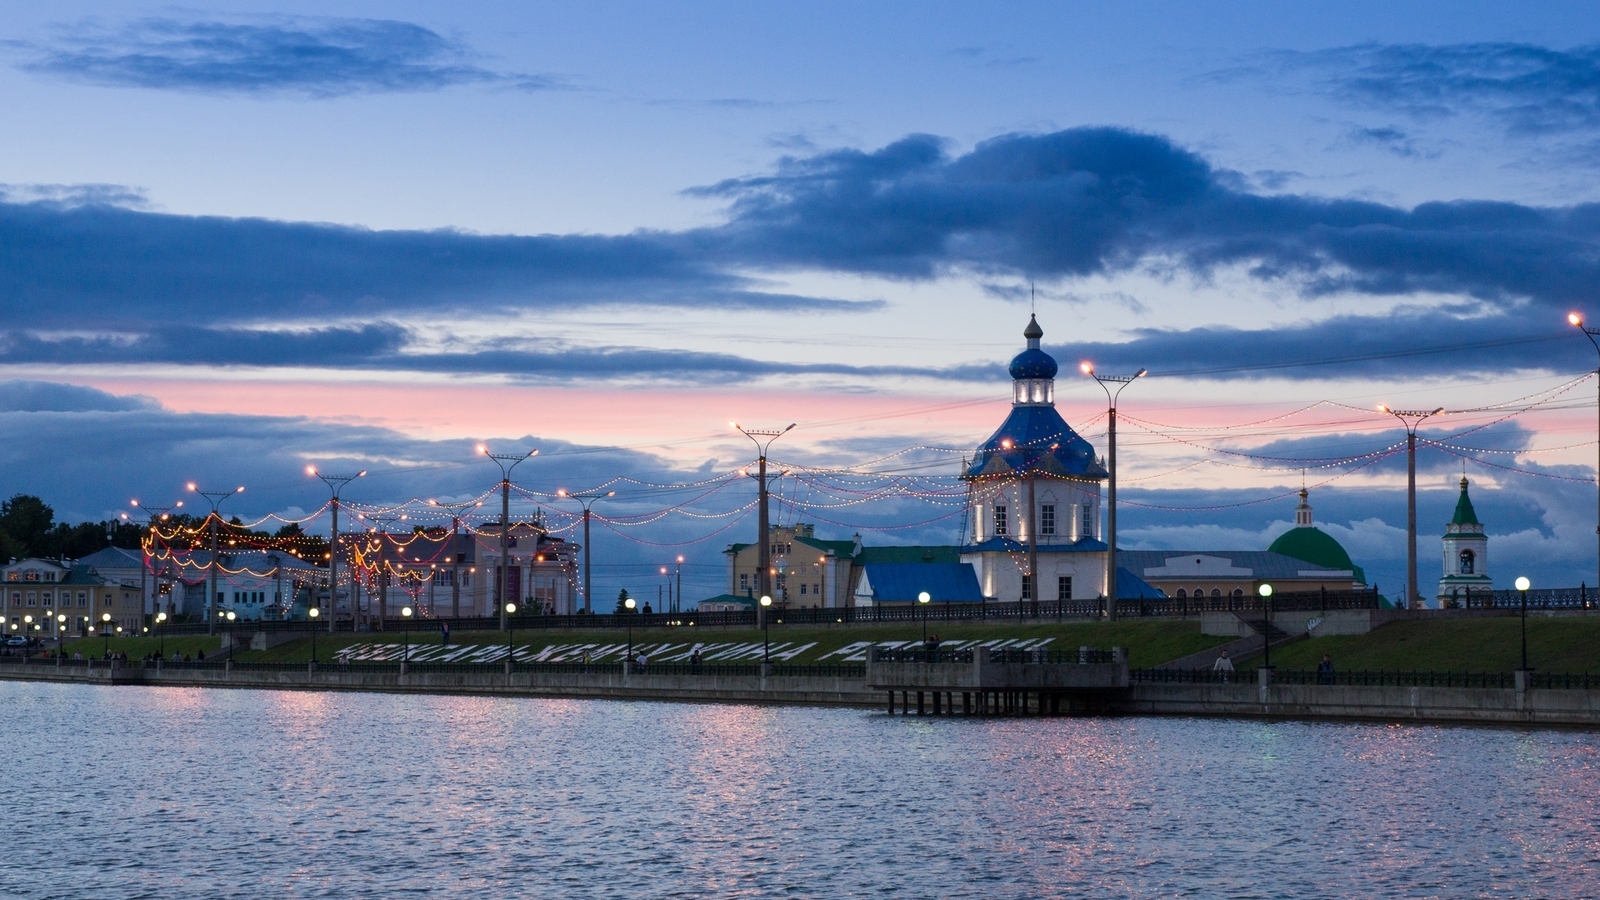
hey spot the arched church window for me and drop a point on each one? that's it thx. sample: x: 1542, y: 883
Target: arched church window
x: 1182, y: 593
x: 1238, y: 593
x: 1216, y: 592
x: 1467, y: 559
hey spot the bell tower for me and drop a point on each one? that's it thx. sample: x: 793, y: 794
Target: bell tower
x: 1466, y: 556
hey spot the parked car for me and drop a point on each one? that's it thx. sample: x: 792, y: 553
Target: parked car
x: 16, y: 640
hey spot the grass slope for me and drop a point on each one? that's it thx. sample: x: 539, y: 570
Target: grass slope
x: 1148, y: 643
x: 1453, y: 645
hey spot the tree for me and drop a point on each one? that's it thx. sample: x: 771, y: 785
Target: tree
x: 26, y: 520
x: 622, y: 602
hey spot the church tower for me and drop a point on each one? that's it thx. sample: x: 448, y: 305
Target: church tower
x: 1034, y: 496
x: 1466, y: 555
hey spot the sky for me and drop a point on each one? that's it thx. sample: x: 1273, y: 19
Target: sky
x: 236, y: 240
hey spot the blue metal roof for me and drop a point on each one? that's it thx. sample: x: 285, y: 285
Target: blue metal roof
x: 1033, y: 363
x: 902, y: 582
x: 1035, y: 439
x: 1132, y: 587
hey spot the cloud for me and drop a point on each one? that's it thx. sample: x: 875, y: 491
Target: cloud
x: 299, y: 56
x: 1528, y: 89
x: 1392, y: 140
x: 49, y: 396
x: 1055, y: 207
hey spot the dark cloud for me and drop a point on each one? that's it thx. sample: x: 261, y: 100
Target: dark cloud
x: 1528, y: 89
x: 49, y: 396
x: 67, y: 263
x: 312, y: 57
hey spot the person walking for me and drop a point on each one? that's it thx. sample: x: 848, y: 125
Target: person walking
x: 694, y: 662
x: 1223, y: 665
x: 1325, y: 670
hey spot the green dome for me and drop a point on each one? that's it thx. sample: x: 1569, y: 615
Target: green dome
x: 1315, y: 546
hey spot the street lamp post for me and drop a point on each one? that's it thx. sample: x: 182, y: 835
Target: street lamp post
x: 215, y: 498
x: 763, y: 543
x: 506, y: 462
x: 766, y: 642
x: 629, y: 604
x: 105, y: 632
x: 586, y: 500
x: 511, y: 636
x: 405, y: 655
x: 1266, y: 625
x: 1411, y: 418
x: 923, y: 599
x: 455, y: 555
x: 231, y: 617
x: 153, y: 515
x: 312, y: 613
x: 1522, y: 585
x: 161, y: 633
x: 336, y: 484
x: 1590, y: 333
x: 677, y: 604
x: 1105, y: 381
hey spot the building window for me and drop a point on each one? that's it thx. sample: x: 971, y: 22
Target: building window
x: 744, y: 582
x: 1215, y: 592
x: 1238, y: 593
x: 1064, y: 588
x: 1182, y: 594
x: 1047, y: 519
x: 1467, y: 558
x: 803, y: 587
x: 1088, y: 521
x: 1027, y: 587
x: 999, y: 520
x: 83, y: 598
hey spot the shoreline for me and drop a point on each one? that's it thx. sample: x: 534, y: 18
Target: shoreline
x: 1538, y: 708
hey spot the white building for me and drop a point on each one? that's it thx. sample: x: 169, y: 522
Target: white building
x: 1035, y: 496
x: 1466, y: 555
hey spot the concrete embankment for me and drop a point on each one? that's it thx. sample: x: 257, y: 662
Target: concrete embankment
x: 1506, y: 706
x: 1442, y: 705
x: 809, y: 691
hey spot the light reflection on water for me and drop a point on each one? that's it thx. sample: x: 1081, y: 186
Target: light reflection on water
x: 167, y: 792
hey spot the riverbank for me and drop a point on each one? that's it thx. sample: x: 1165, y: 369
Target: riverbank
x: 1574, y: 707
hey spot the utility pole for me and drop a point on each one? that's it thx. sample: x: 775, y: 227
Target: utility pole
x: 1111, y: 469
x: 1590, y: 333
x: 455, y: 555
x: 506, y: 462
x: 381, y: 532
x: 1411, y: 418
x: 336, y: 484
x: 215, y: 498
x: 763, y: 545
x: 153, y: 515
x: 586, y: 499
x: 678, y: 604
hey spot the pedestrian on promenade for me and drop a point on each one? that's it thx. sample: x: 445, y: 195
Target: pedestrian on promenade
x: 200, y: 655
x: 586, y: 662
x: 647, y: 609
x: 1325, y: 670
x: 694, y: 662
x: 1223, y: 665
x: 444, y: 633
x: 643, y: 661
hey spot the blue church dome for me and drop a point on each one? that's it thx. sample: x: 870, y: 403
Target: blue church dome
x: 1033, y: 363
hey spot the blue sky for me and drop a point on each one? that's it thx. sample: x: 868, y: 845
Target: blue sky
x: 377, y: 233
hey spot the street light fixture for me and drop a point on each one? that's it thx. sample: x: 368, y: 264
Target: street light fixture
x: 1577, y: 321
x: 1522, y: 585
x: 1266, y: 625
x: 629, y: 604
x: 335, y: 484
x: 923, y: 599
x: 161, y: 618
x: 1411, y: 418
x: 231, y: 617
x: 506, y: 462
x: 105, y: 631
x: 586, y: 500
x: 215, y: 498
x: 511, y: 636
x: 1105, y: 381
x: 766, y: 642
x: 455, y: 556
x: 763, y: 440
x: 405, y: 613
x: 312, y: 613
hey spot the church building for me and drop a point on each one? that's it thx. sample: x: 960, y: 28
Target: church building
x: 1034, y: 496
x: 1466, y: 555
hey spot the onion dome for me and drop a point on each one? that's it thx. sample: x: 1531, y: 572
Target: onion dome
x: 1033, y: 362
x: 1034, y: 439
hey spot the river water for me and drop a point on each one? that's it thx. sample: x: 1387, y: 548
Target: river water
x: 177, y: 793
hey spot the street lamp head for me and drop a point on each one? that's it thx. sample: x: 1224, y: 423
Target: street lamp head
x: 311, y: 470
x: 105, y: 617
x: 923, y: 597
x: 1087, y: 367
x: 765, y: 600
x: 1523, y: 582
x: 313, y: 612
x: 560, y: 492
x: 1141, y: 373
x: 161, y: 617
x: 1383, y: 408
x: 611, y: 493
x: 628, y: 603
x: 1575, y: 319
x: 231, y: 615
x: 191, y: 486
x: 406, y: 612
x: 1265, y: 590
x: 510, y: 607
x: 61, y: 618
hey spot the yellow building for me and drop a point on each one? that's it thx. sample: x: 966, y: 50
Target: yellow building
x: 42, y: 598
